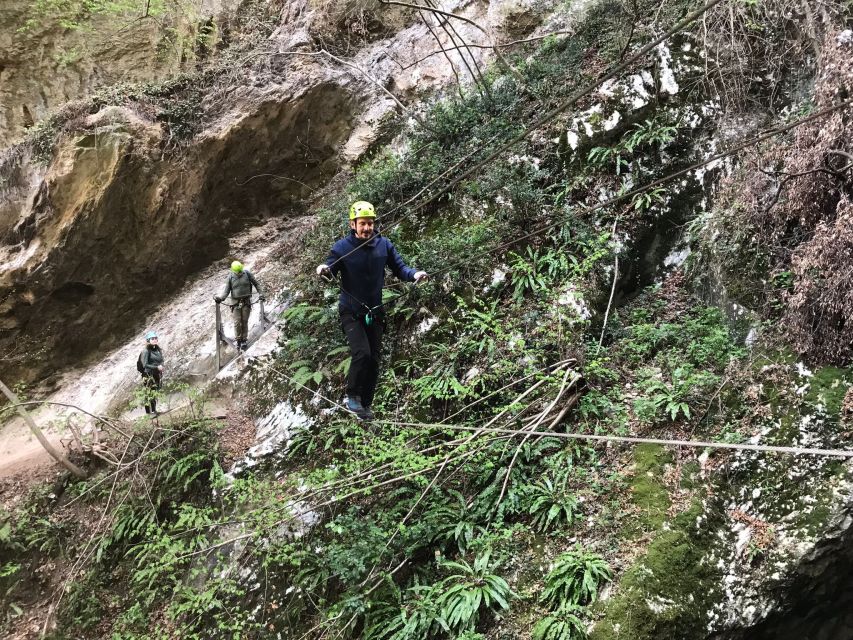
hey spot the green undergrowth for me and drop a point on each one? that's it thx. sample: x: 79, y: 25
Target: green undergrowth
x: 674, y: 586
x: 650, y: 494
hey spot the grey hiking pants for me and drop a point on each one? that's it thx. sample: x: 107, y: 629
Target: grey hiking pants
x: 240, y: 314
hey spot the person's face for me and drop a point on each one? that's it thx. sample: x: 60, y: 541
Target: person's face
x: 152, y: 341
x: 363, y: 228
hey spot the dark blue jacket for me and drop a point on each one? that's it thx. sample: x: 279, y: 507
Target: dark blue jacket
x: 363, y: 271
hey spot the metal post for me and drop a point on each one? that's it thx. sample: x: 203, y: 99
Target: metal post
x: 218, y: 339
x: 263, y: 316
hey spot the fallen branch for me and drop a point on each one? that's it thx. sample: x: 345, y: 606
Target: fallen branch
x: 532, y: 427
x: 55, y: 453
x: 100, y: 419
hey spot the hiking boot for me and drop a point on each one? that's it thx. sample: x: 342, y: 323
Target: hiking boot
x: 353, y: 403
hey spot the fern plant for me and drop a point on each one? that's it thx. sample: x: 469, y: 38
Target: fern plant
x: 453, y: 523
x: 563, y: 624
x: 552, y: 503
x: 575, y: 578
x: 467, y: 591
x: 416, y: 618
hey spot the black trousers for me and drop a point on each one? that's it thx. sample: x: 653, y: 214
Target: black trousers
x: 152, y: 385
x: 365, y: 347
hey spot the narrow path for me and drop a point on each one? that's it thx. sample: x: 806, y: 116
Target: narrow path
x: 185, y: 324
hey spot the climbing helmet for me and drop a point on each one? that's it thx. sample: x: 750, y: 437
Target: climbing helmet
x: 361, y: 209
x: 237, y: 266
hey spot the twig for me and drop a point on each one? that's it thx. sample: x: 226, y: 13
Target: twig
x: 531, y: 428
x: 274, y: 176
x: 446, y: 55
x: 448, y: 28
x: 503, y: 61
x: 634, y: 23
x: 484, y: 46
x: 613, y: 287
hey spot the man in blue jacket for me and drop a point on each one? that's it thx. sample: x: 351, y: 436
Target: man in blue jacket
x: 361, y: 259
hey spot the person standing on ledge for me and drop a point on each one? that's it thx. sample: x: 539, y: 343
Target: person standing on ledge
x: 239, y: 286
x: 150, y: 364
x: 360, y: 259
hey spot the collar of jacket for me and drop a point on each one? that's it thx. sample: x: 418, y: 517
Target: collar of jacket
x: 371, y: 242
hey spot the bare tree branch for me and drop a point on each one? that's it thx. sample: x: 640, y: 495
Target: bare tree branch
x: 39, y: 434
x: 444, y: 51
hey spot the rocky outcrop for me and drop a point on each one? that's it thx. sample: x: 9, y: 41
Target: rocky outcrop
x: 53, y: 53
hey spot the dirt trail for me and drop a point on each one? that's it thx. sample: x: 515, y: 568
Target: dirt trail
x: 185, y: 325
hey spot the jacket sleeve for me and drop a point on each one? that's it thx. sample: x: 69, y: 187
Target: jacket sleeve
x: 333, y: 259
x: 226, y: 290
x: 397, y: 266
x: 255, y: 283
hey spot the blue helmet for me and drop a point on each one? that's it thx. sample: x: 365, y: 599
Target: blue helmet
x: 149, y: 335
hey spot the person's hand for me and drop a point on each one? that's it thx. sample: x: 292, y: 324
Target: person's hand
x: 262, y: 298
x: 421, y: 275
x: 324, y: 271
x: 217, y: 299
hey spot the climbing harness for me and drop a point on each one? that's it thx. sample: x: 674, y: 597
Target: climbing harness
x: 241, y: 302
x: 370, y: 312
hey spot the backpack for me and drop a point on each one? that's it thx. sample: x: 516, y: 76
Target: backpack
x: 139, y: 366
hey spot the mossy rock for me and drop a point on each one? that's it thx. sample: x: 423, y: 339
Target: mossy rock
x: 648, y: 491
x: 668, y: 593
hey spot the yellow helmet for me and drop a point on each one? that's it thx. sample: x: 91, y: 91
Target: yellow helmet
x: 361, y: 209
x: 237, y: 266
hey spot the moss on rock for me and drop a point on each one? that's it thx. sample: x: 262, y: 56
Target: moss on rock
x: 647, y: 488
x: 668, y: 593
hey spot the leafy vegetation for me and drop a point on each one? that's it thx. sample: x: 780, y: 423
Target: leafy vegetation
x: 565, y: 623
x: 576, y: 578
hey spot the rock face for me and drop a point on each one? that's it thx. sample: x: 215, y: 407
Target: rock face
x: 112, y: 226
x: 118, y: 218
x: 47, y: 59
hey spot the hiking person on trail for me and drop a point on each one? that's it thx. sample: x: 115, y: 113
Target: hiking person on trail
x: 150, y: 364
x: 361, y: 258
x: 239, y: 285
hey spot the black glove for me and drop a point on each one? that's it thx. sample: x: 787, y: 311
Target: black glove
x: 262, y: 298
x: 217, y: 298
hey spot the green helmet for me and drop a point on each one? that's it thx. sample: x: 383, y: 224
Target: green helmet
x: 237, y: 266
x: 361, y: 209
